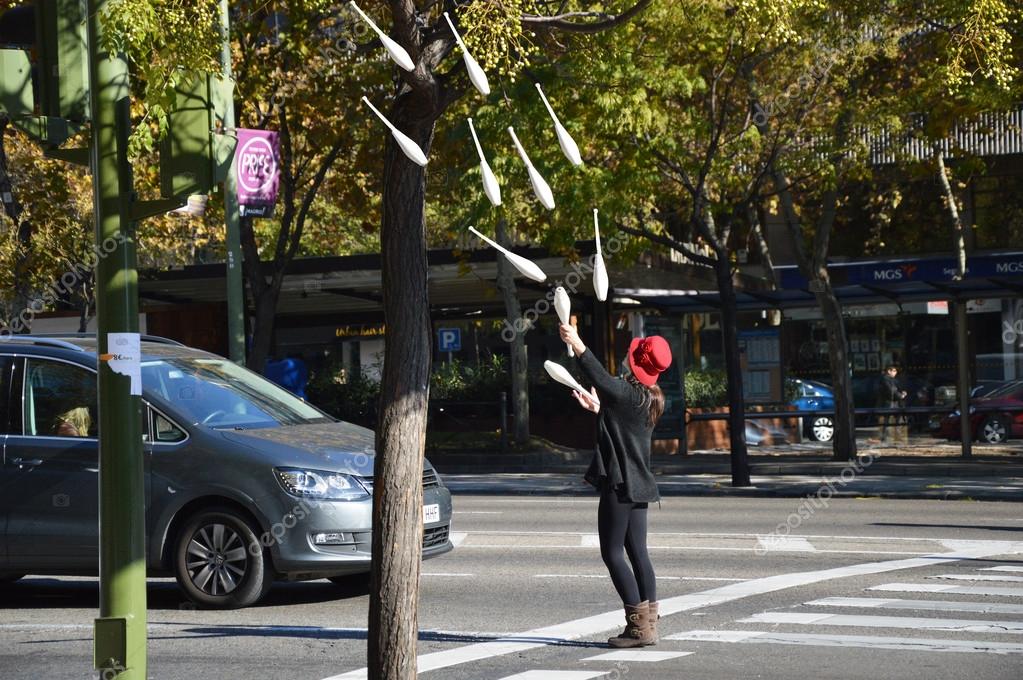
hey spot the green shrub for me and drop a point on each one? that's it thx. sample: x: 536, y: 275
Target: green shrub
x: 351, y: 399
x: 355, y: 399
x: 463, y: 381
x: 706, y: 389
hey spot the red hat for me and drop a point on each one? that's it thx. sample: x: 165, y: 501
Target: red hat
x: 648, y: 357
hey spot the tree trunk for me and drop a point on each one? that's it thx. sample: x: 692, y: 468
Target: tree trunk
x: 404, y: 395
x: 844, y: 443
x: 813, y: 266
x: 265, y: 306
x: 519, y: 361
x: 963, y: 381
x: 765, y: 252
x: 733, y: 370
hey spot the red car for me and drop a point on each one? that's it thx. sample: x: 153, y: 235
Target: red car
x: 994, y: 417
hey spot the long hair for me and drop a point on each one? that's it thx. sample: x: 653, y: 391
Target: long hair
x: 78, y: 418
x: 653, y: 399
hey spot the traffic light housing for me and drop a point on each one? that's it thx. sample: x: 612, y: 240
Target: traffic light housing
x: 15, y: 83
x: 44, y: 68
x: 44, y: 90
x: 63, y: 53
x: 194, y: 156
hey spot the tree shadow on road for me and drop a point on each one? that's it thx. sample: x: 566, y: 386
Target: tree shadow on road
x: 43, y: 592
x: 946, y: 526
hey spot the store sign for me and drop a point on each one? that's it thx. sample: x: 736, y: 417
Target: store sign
x: 938, y: 269
x: 360, y: 331
x: 257, y: 167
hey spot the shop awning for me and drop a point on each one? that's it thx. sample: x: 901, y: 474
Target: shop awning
x: 898, y: 281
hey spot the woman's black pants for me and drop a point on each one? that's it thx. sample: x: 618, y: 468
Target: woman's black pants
x: 622, y: 529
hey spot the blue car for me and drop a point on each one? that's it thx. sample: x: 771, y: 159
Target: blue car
x: 814, y: 396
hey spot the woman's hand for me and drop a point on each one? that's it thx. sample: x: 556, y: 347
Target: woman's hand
x: 588, y: 401
x: 570, y: 336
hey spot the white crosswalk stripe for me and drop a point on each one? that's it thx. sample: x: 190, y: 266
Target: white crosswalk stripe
x: 871, y: 642
x: 929, y: 605
x: 1003, y: 568
x: 978, y: 577
x: 939, y: 588
x: 642, y: 656
x: 556, y: 675
x: 910, y: 622
x: 779, y: 543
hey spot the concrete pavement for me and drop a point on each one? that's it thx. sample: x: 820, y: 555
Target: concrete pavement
x: 915, y: 590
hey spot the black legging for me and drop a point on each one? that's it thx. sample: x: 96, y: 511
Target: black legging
x: 622, y: 529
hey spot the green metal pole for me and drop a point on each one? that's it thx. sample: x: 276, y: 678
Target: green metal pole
x: 120, y: 632
x: 235, y: 289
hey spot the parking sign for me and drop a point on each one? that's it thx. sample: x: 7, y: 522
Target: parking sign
x: 449, y: 339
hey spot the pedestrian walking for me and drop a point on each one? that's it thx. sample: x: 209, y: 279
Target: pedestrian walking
x: 891, y: 396
x: 627, y: 409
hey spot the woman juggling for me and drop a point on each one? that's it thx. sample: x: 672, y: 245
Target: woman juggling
x: 627, y: 409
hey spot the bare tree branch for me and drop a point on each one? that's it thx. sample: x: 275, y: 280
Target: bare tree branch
x: 565, y: 22
x: 667, y: 241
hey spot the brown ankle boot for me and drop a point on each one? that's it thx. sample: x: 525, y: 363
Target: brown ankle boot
x: 637, y: 628
x: 652, y: 623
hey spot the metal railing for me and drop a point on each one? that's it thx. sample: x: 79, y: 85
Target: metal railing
x: 906, y: 410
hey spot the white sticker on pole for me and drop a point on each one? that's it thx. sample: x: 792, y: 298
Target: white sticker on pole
x: 124, y: 356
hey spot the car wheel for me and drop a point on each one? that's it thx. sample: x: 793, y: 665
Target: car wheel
x: 218, y: 561
x: 994, y: 429
x: 822, y: 429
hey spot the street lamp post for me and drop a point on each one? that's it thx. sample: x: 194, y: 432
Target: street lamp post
x: 235, y: 289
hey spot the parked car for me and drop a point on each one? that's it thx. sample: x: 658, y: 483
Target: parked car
x: 947, y: 397
x: 244, y: 482
x: 814, y: 396
x: 994, y: 418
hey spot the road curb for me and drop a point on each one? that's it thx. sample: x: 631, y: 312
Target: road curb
x: 925, y: 488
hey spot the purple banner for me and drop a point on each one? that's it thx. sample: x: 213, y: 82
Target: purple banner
x: 257, y: 167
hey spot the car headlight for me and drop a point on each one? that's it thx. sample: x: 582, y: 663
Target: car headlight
x: 321, y: 484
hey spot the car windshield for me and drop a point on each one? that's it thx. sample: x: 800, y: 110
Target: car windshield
x: 1013, y: 388
x: 220, y: 394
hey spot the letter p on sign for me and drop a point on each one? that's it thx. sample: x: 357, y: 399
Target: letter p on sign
x: 449, y: 339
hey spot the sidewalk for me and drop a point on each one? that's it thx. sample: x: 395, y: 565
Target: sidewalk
x: 925, y: 470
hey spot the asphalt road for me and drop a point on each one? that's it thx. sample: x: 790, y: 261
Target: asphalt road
x: 867, y: 588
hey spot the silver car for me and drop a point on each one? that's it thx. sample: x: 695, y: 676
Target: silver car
x: 245, y: 483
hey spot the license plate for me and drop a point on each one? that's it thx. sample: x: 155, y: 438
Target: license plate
x: 431, y: 513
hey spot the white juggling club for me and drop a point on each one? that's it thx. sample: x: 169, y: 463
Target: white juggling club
x: 476, y: 74
x: 561, y: 374
x: 410, y: 148
x: 563, y: 306
x: 568, y: 145
x: 527, y: 267
x: 540, y: 186
x: 600, y: 282
x: 397, y: 52
x: 490, y: 186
